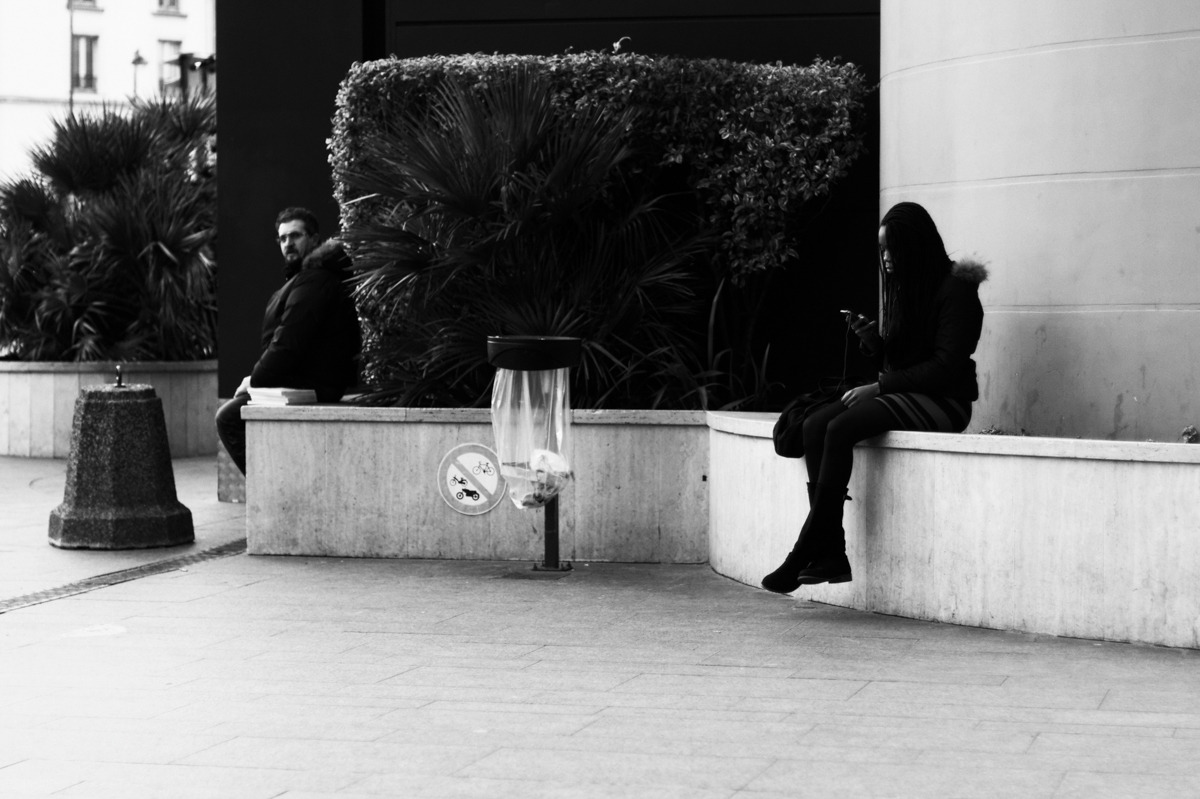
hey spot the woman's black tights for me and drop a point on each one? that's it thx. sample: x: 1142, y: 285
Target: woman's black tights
x: 831, y: 433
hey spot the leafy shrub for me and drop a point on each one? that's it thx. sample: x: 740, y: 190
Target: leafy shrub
x: 515, y: 221
x: 107, y: 253
x: 727, y: 153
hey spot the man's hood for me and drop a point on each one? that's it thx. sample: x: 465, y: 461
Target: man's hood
x: 330, y: 255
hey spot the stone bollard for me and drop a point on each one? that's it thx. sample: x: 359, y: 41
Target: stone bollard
x: 120, y: 490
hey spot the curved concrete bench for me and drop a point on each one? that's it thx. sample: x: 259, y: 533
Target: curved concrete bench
x: 1094, y: 539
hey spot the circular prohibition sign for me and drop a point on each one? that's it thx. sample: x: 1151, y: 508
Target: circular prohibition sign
x: 469, y: 479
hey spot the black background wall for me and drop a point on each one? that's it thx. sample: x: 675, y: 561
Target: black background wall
x: 282, y: 62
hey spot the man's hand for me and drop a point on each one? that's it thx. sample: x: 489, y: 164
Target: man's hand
x: 860, y: 394
x: 244, y: 388
x: 867, y: 330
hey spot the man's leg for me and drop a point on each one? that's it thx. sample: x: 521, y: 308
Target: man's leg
x: 231, y: 429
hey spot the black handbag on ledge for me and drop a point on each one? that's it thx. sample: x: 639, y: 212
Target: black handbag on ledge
x: 789, y: 428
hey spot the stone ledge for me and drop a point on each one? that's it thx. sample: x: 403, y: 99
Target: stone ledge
x: 1089, y: 539
x: 107, y: 367
x: 344, y: 412
x: 640, y: 492
x: 759, y: 425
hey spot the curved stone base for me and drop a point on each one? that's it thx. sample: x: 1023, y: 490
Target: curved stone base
x: 120, y: 491
x: 141, y: 528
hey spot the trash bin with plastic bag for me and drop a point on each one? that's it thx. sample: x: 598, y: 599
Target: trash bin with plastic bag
x: 531, y: 421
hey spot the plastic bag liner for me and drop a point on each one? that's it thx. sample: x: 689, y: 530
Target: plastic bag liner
x: 531, y: 419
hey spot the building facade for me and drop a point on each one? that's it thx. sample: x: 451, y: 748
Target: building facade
x: 1059, y: 142
x: 78, y: 54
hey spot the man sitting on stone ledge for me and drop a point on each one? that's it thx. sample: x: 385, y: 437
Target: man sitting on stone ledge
x: 310, y: 334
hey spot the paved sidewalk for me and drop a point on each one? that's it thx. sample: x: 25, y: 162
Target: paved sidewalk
x: 308, y: 678
x: 32, y: 487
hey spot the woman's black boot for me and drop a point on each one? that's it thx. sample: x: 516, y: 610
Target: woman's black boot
x: 827, y: 561
x: 823, y: 526
x: 785, y: 579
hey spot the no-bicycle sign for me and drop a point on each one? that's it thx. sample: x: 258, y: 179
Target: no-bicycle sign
x: 469, y: 479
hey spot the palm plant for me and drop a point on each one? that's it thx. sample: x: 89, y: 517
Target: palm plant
x: 107, y: 254
x: 510, y: 217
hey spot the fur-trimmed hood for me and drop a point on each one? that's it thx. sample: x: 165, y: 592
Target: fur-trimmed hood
x: 970, y: 270
x: 329, y: 255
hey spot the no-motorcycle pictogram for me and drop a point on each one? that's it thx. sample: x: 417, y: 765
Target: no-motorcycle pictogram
x: 469, y: 479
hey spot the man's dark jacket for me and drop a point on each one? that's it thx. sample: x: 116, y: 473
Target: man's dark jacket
x: 310, y: 332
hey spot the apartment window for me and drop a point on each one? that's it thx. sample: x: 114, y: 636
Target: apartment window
x: 83, y: 62
x: 168, y: 5
x: 168, y: 66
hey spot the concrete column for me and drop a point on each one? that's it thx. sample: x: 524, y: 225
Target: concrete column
x: 1060, y: 141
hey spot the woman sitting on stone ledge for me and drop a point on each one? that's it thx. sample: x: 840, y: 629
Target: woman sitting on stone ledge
x: 933, y: 319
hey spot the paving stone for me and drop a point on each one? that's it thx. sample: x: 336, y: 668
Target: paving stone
x: 1082, y: 785
x: 1075, y: 697
x: 1082, y: 729
x: 701, y: 773
x: 1119, y: 747
x: 554, y: 786
x: 801, y: 779
x: 118, y: 747
x: 326, y: 755
x: 53, y: 776
x: 517, y: 679
x: 741, y: 686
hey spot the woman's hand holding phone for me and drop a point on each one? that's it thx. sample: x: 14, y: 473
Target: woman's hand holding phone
x: 866, y: 329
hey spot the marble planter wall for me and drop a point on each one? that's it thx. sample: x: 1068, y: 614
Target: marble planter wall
x: 37, y: 403
x: 362, y: 482
x: 1083, y: 538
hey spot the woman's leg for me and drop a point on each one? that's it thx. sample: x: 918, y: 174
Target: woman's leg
x: 865, y: 420
x: 813, y: 433
x: 824, y: 539
x: 784, y: 579
x: 829, y: 438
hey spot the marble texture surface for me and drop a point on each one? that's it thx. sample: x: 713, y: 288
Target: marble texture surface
x: 362, y: 482
x: 1037, y: 535
x: 37, y: 403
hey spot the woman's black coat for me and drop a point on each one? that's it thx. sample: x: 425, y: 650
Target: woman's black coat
x: 937, y: 360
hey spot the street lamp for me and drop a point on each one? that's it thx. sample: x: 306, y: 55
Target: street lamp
x: 138, y: 61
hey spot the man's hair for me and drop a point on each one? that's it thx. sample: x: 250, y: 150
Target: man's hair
x: 302, y: 214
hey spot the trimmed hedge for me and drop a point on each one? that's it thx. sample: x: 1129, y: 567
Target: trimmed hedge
x: 752, y: 142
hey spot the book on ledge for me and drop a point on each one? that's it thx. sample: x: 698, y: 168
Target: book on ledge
x: 282, y: 396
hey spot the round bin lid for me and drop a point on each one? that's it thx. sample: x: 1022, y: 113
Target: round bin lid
x: 534, y: 353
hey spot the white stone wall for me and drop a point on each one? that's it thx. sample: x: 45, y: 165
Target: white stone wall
x: 1058, y: 140
x: 1090, y: 539
x: 37, y: 403
x: 346, y: 481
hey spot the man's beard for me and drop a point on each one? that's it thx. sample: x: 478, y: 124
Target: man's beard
x: 291, y: 265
